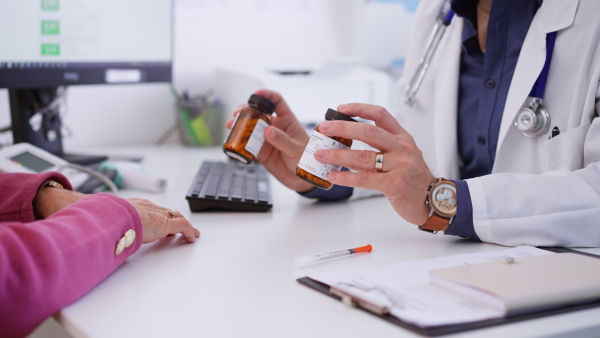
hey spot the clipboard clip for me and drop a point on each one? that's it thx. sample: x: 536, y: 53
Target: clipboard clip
x: 355, y: 301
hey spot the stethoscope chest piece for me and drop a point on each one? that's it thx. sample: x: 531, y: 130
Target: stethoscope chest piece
x: 533, y: 118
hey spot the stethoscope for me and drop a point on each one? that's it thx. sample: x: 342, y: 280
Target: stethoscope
x: 533, y: 119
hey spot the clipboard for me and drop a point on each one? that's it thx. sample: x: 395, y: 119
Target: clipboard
x: 455, y: 328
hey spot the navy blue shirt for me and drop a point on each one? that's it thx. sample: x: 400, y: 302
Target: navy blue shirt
x: 484, y: 81
x: 485, y: 78
x: 483, y: 87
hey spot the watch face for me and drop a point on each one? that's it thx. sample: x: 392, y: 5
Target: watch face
x: 443, y: 198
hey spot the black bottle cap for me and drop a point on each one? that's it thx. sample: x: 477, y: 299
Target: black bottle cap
x: 257, y: 99
x: 336, y: 115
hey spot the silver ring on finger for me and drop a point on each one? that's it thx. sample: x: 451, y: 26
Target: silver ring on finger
x: 173, y: 213
x: 379, y: 162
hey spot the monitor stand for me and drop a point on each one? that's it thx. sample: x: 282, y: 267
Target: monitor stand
x: 36, y: 120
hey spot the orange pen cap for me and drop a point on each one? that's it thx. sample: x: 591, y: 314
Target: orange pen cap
x: 366, y: 248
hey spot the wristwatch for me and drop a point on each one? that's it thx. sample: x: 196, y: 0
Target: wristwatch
x: 441, y: 198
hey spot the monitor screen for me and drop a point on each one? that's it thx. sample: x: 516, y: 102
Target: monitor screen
x: 45, y: 43
x: 48, y: 44
x: 30, y: 161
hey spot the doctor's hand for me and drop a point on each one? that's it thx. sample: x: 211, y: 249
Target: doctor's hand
x: 404, y: 178
x: 285, y: 143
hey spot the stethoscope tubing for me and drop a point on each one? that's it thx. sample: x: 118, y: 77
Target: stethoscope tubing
x: 539, y: 87
x: 442, y: 22
x: 444, y: 19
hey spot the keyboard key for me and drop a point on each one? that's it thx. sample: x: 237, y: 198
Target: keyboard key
x: 238, y: 184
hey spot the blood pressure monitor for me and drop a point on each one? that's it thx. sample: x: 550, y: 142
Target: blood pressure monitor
x: 27, y: 158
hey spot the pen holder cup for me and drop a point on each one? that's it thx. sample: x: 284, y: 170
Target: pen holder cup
x: 200, y: 122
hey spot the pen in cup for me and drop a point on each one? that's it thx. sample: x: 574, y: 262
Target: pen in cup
x: 307, y: 260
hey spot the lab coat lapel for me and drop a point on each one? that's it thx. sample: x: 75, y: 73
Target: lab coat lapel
x: 446, y: 102
x: 554, y: 15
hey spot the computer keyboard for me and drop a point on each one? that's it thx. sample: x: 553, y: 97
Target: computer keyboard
x: 230, y: 186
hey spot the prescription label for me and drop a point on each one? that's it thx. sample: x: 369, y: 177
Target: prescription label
x: 257, y: 138
x: 308, y: 161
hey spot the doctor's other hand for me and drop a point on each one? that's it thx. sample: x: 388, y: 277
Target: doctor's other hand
x: 404, y: 178
x: 285, y: 141
x: 159, y: 222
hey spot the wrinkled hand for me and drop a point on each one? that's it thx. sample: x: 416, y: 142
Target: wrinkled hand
x: 405, y: 176
x: 159, y: 223
x: 285, y: 143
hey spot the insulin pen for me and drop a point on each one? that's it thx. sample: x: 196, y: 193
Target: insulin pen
x: 303, y: 261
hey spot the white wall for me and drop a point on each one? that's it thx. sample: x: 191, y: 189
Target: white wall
x: 274, y: 33
x: 214, y: 33
x: 385, y: 34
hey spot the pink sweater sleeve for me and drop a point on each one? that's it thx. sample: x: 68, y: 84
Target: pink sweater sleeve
x: 17, y: 192
x: 48, y: 264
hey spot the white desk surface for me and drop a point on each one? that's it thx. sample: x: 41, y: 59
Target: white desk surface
x: 238, y: 279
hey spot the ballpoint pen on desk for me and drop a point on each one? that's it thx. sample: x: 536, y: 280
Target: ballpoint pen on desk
x: 307, y: 260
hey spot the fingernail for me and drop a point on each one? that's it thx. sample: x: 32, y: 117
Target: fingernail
x: 270, y: 133
x: 332, y: 175
x: 342, y: 107
x: 325, y: 125
x: 320, y: 153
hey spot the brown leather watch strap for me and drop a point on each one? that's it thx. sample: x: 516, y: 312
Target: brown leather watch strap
x: 435, y: 223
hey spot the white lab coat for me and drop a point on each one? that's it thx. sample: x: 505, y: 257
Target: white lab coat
x: 541, y: 191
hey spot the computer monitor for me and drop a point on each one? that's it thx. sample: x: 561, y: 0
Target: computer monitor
x: 46, y: 45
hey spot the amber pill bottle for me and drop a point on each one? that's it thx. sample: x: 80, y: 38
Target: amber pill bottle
x: 313, y: 171
x: 247, y: 133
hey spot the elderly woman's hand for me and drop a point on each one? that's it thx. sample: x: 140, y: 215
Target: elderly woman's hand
x: 159, y: 222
